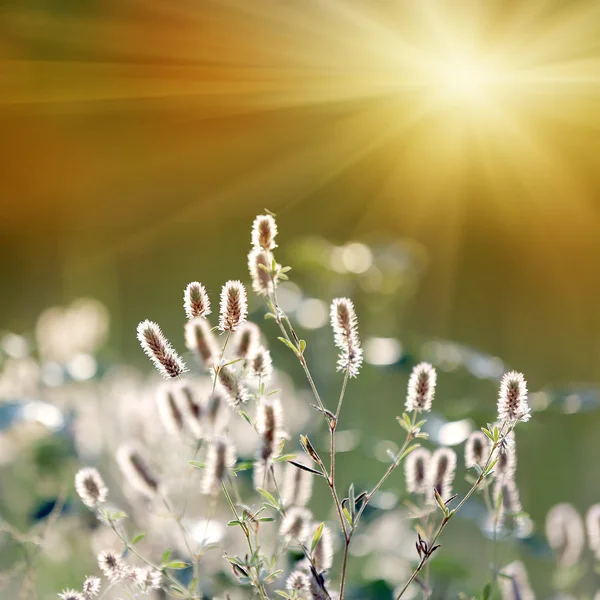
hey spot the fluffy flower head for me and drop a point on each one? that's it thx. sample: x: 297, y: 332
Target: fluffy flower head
x: 156, y: 346
x: 421, y: 388
x: 90, y: 487
x: 234, y: 306
x: 512, y: 398
x: 196, y: 301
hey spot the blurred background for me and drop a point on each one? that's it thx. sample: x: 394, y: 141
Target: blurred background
x: 438, y: 162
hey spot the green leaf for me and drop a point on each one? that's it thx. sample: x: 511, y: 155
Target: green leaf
x: 348, y: 516
x: 268, y: 496
x: 487, y: 591
x: 176, y: 564
x: 266, y: 519
x: 242, y: 466
x: 197, y: 464
x: 283, y: 594
x: 487, y: 433
x: 352, y: 501
x: 246, y: 417
x: 284, y: 457
x: 408, y: 451
x: 302, y: 346
x: 165, y: 556
x: 234, y: 523
x: 316, y: 537
x: 138, y: 538
x: 288, y: 344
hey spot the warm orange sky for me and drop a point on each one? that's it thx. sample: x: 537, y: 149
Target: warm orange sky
x: 472, y: 127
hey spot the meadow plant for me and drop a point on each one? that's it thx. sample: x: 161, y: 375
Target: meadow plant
x: 235, y: 359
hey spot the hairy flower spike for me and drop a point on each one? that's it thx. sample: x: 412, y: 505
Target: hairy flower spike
x: 259, y: 267
x: 217, y: 413
x: 159, y: 350
x: 234, y: 306
x: 297, y: 484
x: 196, y: 301
x: 477, y: 450
x: 421, y: 388
x: 147, y: 579
x: 345, y: 334
x: 136, y: 471
x: 264, y: 231
x: 169, y: 408
x: 261, y: 365
x: 220, y: 458
x: 506, y: 454
x: 514, y: 585
x: 322, y: 555
x: 112, y: 566
x: 510, y: 504
x: 415, y: 470
x: 90, y: 487
x: 512, y: 399
x: 91, y: 587
x: 236, y: 392
x: 592, y: 524
x: 191, y: 409
x: 565, y: 533
x: 71, y: 595
x: 442, y: 466
x: 298, y: 583
x: 269, y: 423
x: 247, y: 341
x: 296, y: 524
x: 200, y: 340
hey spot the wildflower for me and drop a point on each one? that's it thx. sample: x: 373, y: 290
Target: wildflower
x: 442, y: 466
x: 90, y: 487
x: 565, y: 533
x: 159, y: 350
x: 236, y: 393
x: 91, y: 586
x: 510, y: 504
x: 148, y: 579
x: 345, y: 334
x: 322, y: 555
x: 512, y: 399
x: 264, y: 231
x: 216, y: 413
x: 136, y: 470
x: 71, y: 595
x: 196, y: 301
x: 261, y: 365
x: 506, y: 465
x: 514, y: 583
x: 247, y: 341
x: 297, y: 484
x: 477, y: 450
x: 220, y: 458
x: 269, y: 421
x: 296, y: 524
x: 200, y: 340
x: 415, y: 470
x: 168, y: 408
x: 421, y: 388
x: 192, y: 410
x: 112, y: 566
x: 298, y: 583
x: 234, y: 306
x: 592, y: 522
x: 259, y: 267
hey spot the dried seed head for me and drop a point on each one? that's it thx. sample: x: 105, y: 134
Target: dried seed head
x: 264, y: 231
x: 259, y: 267
x: 169, y: 407
x: 565, y: 533
x: 246, y: 341
x: 592, y: 523
x: 234, y: 306
x: 136, y: 471
x: 269, y: 423
x: 261, y: 365
x: 506, y: 464
x: 421, y: 388
x: 71, y: 595
x: 220, y: 458
x: 297, y: 484
x: 322, y: 555
x: 345, y: 335
x: 477, y: 450
x: 515, y: 583
x: 296, y: 524
x: 512, y: 399
x: 216, y: 413
x: 112, y: 566
x: 442, y: 466
x: 235, y: 392
x: 148, y: 579
x: 191, y: 409
x: 91, y: 587
x: 196, y: 301
x: 200, y: 340
x: 159, y: 350
x: 90, y: 487
x: 298, y: 583
x: 415, y: 470
x: 510, y: 504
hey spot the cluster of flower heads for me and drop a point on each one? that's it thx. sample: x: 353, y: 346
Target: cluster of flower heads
x: 566, y: 533
x: 345, y: 334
